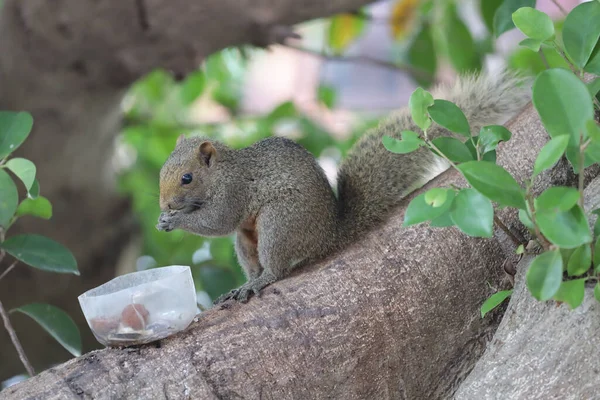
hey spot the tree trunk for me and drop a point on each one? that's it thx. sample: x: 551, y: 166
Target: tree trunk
x: 69, y: 62
x: 541, y: 350
x: 395, y: 316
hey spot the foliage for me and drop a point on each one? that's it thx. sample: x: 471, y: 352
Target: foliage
x: 34, y: 250
x: 566, y: 108
x: 156, y: 115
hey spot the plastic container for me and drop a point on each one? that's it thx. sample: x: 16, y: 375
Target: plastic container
x: 141, y: 307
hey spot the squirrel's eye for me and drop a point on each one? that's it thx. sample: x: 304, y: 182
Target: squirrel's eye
x: 186, y: 178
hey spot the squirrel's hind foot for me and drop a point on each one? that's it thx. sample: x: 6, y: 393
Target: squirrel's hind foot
x: 253, y: 286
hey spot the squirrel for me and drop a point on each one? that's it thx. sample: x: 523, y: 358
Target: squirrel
x: 276, y: 198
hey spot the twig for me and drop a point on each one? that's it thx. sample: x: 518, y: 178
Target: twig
x: 557, y: 4
x: 10, y: 267
x: 364, y: 59
x: 511, y: 235
x: 544, y: 59
x: 15, y: 340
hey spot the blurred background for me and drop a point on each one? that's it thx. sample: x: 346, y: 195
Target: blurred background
x: 323, y: 90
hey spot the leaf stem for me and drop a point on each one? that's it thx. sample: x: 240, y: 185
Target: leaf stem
x: 10, y: 267
x: 15, y: 340
x: 581, y: 176
x: 517, y: 241
x: 531, y: 214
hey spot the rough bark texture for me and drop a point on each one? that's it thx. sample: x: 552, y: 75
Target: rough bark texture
x: 541, y: 350
x: 68, y: 63
x: 395, y: 316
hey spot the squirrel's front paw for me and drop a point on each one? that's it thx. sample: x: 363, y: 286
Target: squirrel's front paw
x: 167, y: 221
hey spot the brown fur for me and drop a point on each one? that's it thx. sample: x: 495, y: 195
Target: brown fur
x: 276, y: 198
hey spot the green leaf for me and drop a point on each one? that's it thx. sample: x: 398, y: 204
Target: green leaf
x: 550, y: 153
x: 192, y: 87
x: 489, y: 156
x: 557, y: 198
x: 563, y: 102
x: 594, y: 86
x: 494, y: 182
x: 525, y: 220
x: 597, y: 255
x: 533, y: 23
x: 448, y: 115
x: 491, y: 135
x: 473, y: 213
x: 520, y: 249
x: 453, y: 148
x: 544, y: 275
x: 488, y: 10
x: 9, y: 199
x: 34, y: 192
x: 593, y: 65
x: 409, y: 143
x: 494, y: 301
x: 419, y: 211
x: 422, y: 56
x: 38, y: 207
x: 23, y: 169
x: 567, y: 229
x: 418, y: 103
x: 326, y: 95
x: 436, y: 197
x: 343, y: 30
x: 14, y: 129
x: 580, y: 261
x: 41, y: 252
x: 57, y: 323
x: 593, y: 130
x: 461, y: 49
x: 503, y: 21
x: 597, y: 292
x: 531, y: 44
x: 571, y: 292
x: 443, y: 221
x: 581, y: 32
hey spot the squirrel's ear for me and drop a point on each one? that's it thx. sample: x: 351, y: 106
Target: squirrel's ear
x: 207, y: 153
x: 180, y: 139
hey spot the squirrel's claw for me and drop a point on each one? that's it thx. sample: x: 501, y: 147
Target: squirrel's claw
x: 165, y: 222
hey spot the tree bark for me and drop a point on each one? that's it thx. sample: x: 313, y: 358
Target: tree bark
x: 541, y: 350
x: 69, y: 62
x: 395, y: 316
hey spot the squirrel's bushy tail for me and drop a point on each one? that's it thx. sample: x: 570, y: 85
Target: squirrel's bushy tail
x: 372, y: 180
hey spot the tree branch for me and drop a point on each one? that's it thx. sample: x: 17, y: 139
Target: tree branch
x: 396, y: 313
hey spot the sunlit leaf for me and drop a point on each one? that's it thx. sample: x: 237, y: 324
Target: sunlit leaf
x: 24, y: 169
x: 571, y: 292
x: 544, y: 275
x: 418, y: 103
x: 563, y: 103
x: 9, y: 199
x: 494, y: 182
x: 580, y: 260
x: 450, y: 116
x: 344, y: 29
x: 494, y: 301
x: 581, y: 32
x: 473, y: 213
x: 39, y: 207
